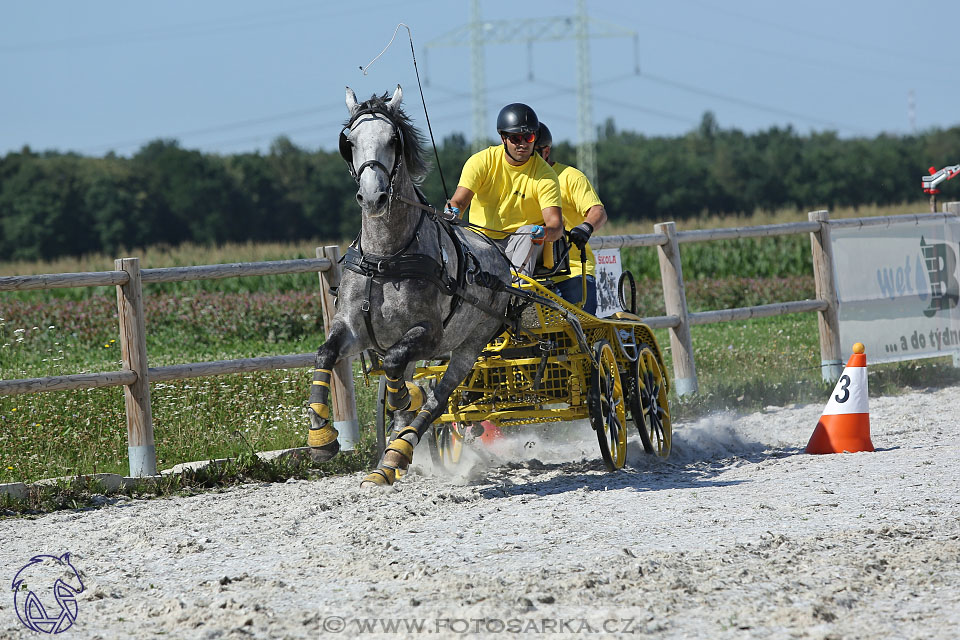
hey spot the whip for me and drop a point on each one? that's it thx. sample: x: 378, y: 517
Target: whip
x: 446, y: 194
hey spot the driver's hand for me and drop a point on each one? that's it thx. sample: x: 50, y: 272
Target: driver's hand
x: 580, y: 234
x: 538, y: 234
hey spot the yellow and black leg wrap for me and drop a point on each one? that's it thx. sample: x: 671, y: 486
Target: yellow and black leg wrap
x: 396, y: 459
x: 322, y: 436
x: 417, y: 396
x: 383, y: 476
x: 404, y: 397
x: 320, y: 394
x: 398, y: 397
x: 399, y: 453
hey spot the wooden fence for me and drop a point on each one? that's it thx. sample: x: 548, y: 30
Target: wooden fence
x: 136, y: 375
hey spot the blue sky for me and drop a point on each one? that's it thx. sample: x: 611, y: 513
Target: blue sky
x: 227, y: 76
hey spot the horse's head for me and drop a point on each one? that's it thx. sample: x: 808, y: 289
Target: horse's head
x: 381, y: 146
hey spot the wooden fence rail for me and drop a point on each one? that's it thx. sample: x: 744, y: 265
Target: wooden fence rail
x: 136, y: 375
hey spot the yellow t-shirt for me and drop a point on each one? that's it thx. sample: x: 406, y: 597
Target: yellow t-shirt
x: 578, y: 196
x: 507, y: 197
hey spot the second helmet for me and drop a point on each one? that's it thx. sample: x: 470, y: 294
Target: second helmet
x: 544, y: 137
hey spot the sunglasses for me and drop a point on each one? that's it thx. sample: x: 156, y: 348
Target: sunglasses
x: 517, y: 138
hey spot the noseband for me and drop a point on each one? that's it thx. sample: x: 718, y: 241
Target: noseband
x: 346, y: 151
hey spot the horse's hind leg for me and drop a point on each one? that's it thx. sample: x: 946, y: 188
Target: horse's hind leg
x: 399, y: 452
x: 322, y: 437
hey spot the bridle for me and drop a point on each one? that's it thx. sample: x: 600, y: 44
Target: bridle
x: 346, y: 150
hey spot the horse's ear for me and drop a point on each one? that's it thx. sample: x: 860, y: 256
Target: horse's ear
x: 351, y: 101
x: 396, y: 99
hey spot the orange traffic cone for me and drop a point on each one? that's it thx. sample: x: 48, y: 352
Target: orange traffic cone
x: 845, y: 422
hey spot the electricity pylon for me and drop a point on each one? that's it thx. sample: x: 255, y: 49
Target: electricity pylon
x: 580, y: 28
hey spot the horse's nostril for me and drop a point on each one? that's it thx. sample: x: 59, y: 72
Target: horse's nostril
x: 376, y: 201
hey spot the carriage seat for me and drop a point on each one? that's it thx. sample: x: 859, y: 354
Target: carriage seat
x: 554, y: 261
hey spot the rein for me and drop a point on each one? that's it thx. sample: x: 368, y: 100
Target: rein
x: 454, y: 220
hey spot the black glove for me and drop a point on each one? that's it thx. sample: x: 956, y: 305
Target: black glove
x: 580, y: 234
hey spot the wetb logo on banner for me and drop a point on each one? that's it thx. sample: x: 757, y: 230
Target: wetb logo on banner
x: 934, y: 276
x: 941, y: 262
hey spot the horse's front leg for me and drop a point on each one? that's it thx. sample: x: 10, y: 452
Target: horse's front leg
x: 322, y: 437
x: 403, y: 397
x: 399, y: 453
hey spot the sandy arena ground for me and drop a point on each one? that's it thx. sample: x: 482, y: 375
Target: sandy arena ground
x: 738, y: 535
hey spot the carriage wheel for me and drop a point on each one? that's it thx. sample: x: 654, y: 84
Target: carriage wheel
x: 446, y: 445
x: 607, y: 412
x: 648, y: 404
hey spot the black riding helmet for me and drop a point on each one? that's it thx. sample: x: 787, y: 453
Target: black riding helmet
x: 544, y: 137
x: 517, y: 118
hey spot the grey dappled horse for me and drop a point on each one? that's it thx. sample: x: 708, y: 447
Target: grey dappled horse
x: 404, y: 292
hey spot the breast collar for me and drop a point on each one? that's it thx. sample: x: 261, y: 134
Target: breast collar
x: 408, y: 266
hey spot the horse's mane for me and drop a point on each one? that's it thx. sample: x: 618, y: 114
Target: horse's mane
x: 414, y: 145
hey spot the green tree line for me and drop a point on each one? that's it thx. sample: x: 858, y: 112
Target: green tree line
x: 54, y: 204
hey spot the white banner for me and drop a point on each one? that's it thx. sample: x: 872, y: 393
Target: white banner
x: 608, y: 273
x: 898, y: 288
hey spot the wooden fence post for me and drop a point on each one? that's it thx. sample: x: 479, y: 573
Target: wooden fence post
x: 828, y: 320
x: 675, y: 301
x: 133, y: 348
x: 344, y: 401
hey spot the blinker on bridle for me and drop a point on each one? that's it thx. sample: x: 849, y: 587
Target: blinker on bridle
x: 346, y: 150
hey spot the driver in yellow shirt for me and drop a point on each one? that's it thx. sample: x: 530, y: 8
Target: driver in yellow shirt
x: 510, y: 188
x: 583, y: 213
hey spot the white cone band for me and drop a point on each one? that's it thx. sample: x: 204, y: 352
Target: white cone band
x: 850, y: 394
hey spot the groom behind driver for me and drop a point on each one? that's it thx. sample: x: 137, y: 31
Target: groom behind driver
x: 513, y: 190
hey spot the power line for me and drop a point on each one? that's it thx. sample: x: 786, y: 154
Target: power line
x: 626, y: 105
x: 747, y: 103
x: 579, y: 28
x: 831, y: 64
x: 299, y: 113
x: 800, y: 32
x: 330, y: 126
x: 219, y: 26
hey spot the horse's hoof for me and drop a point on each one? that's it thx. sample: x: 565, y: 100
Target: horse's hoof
x: 382, y: 477
x: 323, y: 454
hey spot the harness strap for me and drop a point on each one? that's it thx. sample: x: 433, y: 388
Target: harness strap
x: 365, y: 308
x: 399, y: 268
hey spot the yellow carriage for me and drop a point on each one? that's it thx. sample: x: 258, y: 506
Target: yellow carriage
x: 558, y: 363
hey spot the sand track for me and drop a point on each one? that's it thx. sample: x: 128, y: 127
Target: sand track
x: 737, y: 535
